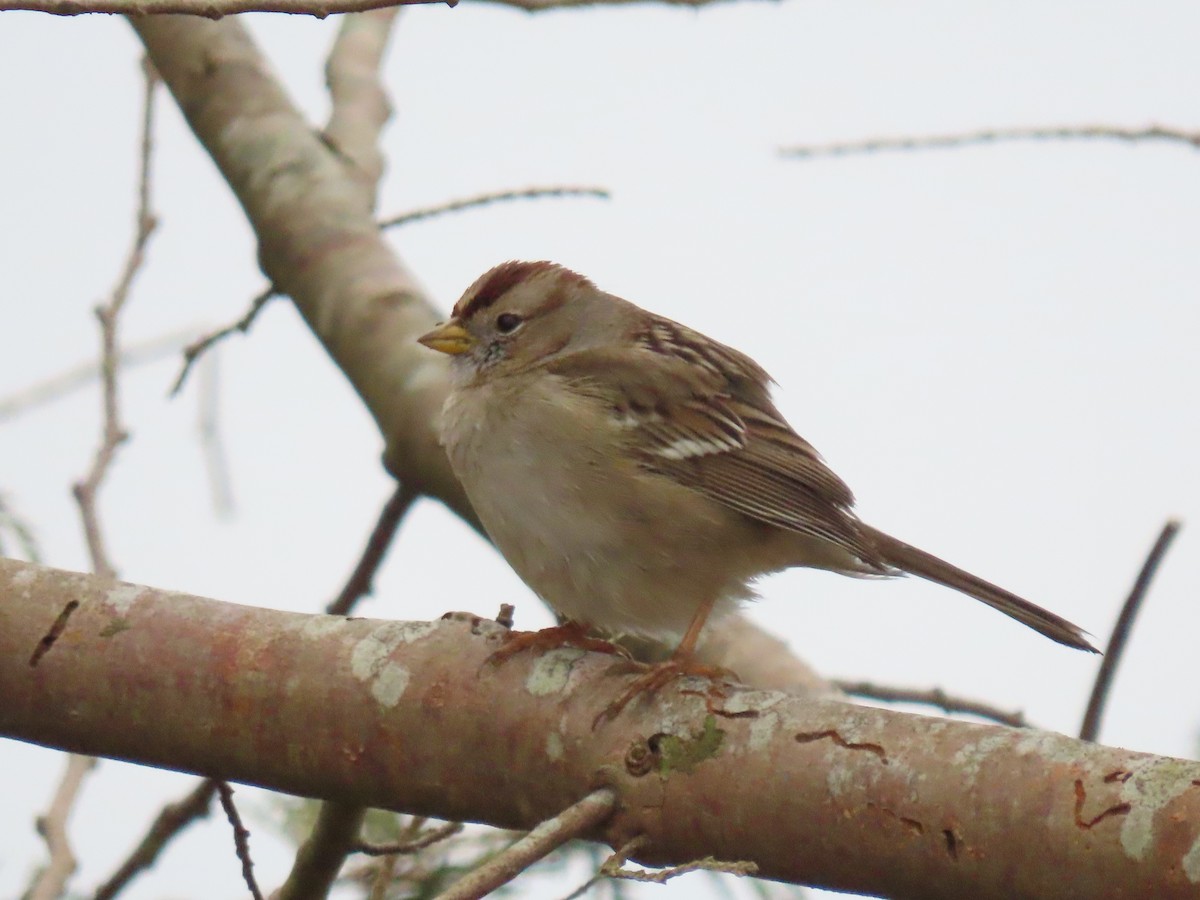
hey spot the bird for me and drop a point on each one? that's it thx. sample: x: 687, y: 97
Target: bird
x: 636, y: 473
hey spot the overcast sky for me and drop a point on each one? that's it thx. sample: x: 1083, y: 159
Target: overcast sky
x: 996, y: 346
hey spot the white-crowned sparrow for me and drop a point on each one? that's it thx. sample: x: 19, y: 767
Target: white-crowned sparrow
x: 636, y: 474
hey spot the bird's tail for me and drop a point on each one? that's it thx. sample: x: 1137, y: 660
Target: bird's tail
x: 918, y: 562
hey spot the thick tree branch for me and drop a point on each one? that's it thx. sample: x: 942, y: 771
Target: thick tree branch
x: 923, y: 807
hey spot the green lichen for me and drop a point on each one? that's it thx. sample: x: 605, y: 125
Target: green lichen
x: 683, y: 754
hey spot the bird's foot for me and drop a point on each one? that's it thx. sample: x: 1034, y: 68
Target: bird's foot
x: 659, y: 675
x: 568, y: 634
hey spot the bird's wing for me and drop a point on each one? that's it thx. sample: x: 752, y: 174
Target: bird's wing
x: 700, y: 413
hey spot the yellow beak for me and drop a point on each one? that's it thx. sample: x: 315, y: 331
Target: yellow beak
x: 449, y: 337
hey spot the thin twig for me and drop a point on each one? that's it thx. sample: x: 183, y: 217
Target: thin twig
x: 170, y: 821
x: 1090, y: 729
x: 948, y: 703
x: 54, y: 387
x: 194, y: 350
x: 241, y: 838
x: 429, y: 212
x: 108, y: 315
x: 405, y: 848
x: 358, y: 584
x: 997, y: 135
x: 502, y: 868
x: 51, y: 882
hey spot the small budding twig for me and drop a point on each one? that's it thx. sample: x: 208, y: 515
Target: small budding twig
x: 1090, y: 729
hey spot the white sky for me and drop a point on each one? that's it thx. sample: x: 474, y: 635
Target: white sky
x: 996, y: 347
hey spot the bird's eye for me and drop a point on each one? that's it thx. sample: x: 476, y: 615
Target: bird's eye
x: 507, y: 323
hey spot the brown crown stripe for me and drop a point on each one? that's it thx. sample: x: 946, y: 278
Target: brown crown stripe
x: 499, y: 281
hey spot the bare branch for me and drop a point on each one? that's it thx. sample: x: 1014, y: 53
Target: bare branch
x: 998, y: 135
x: 241, y: 837
x: 1090, y: 729
x: 404, y: 848
x: 209, y: 9
x: 194, y: 350
x: 948, y: 703
x: 430, y: 212
x: 170, y: 821
x: 108, y: 315
x: 574, y: 821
